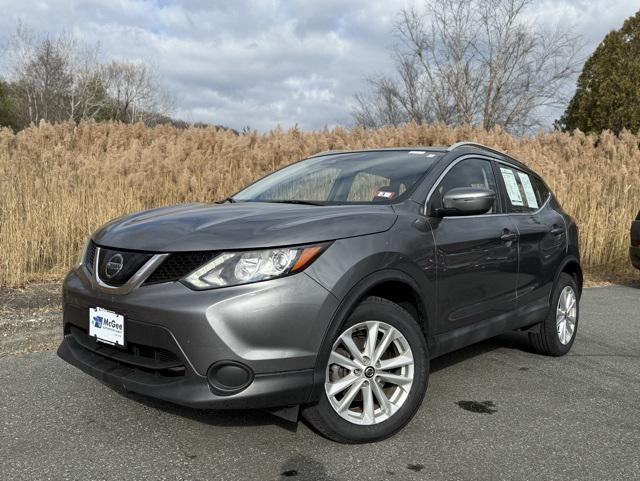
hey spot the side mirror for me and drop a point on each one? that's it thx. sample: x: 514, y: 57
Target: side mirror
x: 466, y: 201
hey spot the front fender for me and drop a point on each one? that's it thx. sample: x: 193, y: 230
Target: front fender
x: 353, y: 297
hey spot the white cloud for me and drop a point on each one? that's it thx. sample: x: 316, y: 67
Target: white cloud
x: 592, y: 19
x: 263, y: 63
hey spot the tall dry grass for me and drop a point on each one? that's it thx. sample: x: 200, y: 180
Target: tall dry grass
x: 58, y: 183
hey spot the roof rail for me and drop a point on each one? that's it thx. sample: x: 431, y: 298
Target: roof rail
x: 474, y: 144
x: 327, y: 152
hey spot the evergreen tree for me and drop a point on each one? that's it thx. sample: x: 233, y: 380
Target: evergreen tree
x: 8, y: 116
x: 608, y: 91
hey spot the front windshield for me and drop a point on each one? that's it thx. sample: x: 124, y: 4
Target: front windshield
x: 351, y: 177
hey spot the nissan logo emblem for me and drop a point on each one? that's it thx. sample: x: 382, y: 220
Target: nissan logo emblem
x: 114, y: 266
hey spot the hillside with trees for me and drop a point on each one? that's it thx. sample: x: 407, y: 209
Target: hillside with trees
x: 57, y: 79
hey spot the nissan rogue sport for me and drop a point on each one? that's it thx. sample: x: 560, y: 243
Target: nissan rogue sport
x: 327, y: 286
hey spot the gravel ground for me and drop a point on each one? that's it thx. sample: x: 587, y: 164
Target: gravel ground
x: 30, y: 319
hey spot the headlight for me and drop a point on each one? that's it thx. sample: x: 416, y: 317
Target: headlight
x: 234, y: 268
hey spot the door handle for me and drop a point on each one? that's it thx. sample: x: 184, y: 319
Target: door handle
x: 508, y: 236
x: 557, y: 230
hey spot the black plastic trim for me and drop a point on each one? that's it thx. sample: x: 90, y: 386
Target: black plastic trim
x: 221, y: 389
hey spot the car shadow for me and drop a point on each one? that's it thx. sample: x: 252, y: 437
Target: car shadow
x: 251, y: 418
x: 219, y: 418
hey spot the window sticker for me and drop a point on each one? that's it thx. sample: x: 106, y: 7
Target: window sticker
x: 528, y: 190
x: 511, y: 184
x: 385, y: 194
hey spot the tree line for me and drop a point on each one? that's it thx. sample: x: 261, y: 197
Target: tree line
x: 459, y: 62
x: 57, y: 78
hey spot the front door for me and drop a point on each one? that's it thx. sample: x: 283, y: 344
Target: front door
x: 476, y: 255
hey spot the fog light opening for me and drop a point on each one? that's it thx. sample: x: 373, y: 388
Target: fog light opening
x: 229, y: 377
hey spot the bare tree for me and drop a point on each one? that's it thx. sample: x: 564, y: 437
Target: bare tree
x: 55, y: 78
x: 135, y: 91
x: 58, y: 78
x: 42, y: 75
x: 472, y: 62
x: 88, y: 97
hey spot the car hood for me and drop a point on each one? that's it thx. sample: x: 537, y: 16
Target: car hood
x: 246, y: 225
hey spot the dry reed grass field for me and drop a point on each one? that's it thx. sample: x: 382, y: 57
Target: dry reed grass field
x: 60, y: 182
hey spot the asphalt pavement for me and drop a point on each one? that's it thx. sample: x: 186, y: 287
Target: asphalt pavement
x: 494, y: 411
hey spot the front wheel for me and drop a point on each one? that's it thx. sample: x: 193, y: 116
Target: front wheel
x: 376, y: 375
x: 558, y: 330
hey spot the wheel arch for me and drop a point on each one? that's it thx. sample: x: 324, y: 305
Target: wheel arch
x: 390, y: 284
x: 571, y: 265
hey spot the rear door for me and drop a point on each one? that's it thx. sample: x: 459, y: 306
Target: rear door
x: 542, y: 233
x: 476, y: 255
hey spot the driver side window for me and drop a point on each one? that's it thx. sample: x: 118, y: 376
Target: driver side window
x: 476, y: 173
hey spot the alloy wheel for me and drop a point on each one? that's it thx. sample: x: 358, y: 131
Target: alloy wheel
x: 369, y: 373
x: 566, y: 314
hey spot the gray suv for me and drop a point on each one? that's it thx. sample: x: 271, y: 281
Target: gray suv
x: 326, y: 287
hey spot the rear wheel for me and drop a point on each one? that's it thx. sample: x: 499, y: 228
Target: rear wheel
x: 558, y: 330
x: 375, y: 377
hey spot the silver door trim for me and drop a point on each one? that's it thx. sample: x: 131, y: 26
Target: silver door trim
x: 484, y: 157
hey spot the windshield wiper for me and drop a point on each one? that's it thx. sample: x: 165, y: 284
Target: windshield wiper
x: 229, y: 199
x: 295, y: 201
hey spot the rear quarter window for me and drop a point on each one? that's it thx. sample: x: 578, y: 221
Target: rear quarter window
x: 542, y: 192
x: 525, y: 192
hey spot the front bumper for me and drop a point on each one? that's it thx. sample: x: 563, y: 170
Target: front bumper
x: 266, y: 390
x: 174, y: 335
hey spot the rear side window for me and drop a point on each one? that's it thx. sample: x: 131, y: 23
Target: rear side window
x: 525, y: 192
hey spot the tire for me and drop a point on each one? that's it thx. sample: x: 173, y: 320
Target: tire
x: 375, y: 420
x: 548, y: 340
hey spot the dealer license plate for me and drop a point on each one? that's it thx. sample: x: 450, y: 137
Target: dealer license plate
x: 106, y: 326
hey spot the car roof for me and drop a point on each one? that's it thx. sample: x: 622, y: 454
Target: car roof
x: 383, y: 149
x: 458, y: 148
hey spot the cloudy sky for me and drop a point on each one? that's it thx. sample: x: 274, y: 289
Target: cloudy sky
x: 264, y: 63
